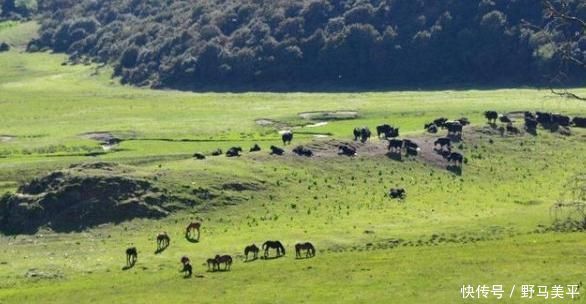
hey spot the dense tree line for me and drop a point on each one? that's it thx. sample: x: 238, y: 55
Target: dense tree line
x: 17, y: 9
x: 199, y: 43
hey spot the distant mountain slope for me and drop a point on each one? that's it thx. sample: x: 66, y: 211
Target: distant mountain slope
x: 190, y: 44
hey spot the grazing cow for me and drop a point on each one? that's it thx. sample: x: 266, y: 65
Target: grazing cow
x: 233, y: 152
x: 277, y: 150
x: 302, y: 151
x: 392, y: 133
x: 491, y: 116
x: 561, y: 120
x: 511, y: 129
x: 545, y: 119
x: 579, y: 122
x: 529, y: 115
x: 443, y: 142
x: 217, y: 152
x: 530, y: 124
x: 399, y: 193
x: 255, y: 148
x: 287, y: 137
x: 395, y: 145
x: 411, y: 148
x: 440, y: 122
x: 464, y: 121
x: 430, y: 128
x: 505, y: 119
x: 346, y: 150
x: 454, y: 128
x: 363, y: 133
x: 199, y: 155
x: 383, y: 129
x: 456, y: 158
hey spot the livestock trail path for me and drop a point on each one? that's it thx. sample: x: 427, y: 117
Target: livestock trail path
x: 68, y: 127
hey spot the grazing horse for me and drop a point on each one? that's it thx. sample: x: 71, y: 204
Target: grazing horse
x: 192, y: 226
x: 399, y: 193
x: 287, y: 137
x: 252, y: 248
x: 233, y: 152
x: 307, y: 246
x: 443, y: 142
x: 491, y: 116
x: 275, y: 245
x: 276, y: 150
x: 346, y: 150
x: 213, y: 263
x: 163, y: 241
x: 225, y: 259
x: 131, y: 256
x: 255, y: 148
x: 302, y: 151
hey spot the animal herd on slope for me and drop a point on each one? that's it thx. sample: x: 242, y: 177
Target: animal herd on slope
x: 164, y: 241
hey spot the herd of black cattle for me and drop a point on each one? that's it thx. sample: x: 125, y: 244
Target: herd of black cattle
x: 442, y: 145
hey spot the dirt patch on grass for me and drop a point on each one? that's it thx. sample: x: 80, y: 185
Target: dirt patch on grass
x: 329, y: 115
x: 79, y: 197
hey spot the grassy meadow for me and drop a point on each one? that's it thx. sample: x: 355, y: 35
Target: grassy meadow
x: 483, y: 227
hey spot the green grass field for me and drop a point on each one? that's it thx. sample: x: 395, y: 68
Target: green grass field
x: 478, y: 228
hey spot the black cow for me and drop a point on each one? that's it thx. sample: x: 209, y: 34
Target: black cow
x: 255, y: 148
x: 363, y: 133
x: 491, y: 116
x: 456, y: 158
x: 411, y: 148
x: 302, y: 151
x: 454, y: 128
x: 346, y: 150
x: 233, y: 152
x: 399, y: 193
x: 287, y: 137
x: 395, y: 145
x: 464, y: 121
x: 505, y: 119
x: 529, y: 115
x: 199, y: 155
x: 277, y: 150
x: 443, y: 142
x: 392, y: 133
x: 383, y: 129
x: 530, y: 124
x: 561, y: 120
x: 432, y: 129
x: 511, y: 129
x: 544, y: 118
x: 579, y: 122
x: 440, y: 122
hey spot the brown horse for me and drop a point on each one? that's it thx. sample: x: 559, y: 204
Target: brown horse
x: 226, y: 259
x: 192, y: 226
x: 308, y: 247
x: 213, y: 263
x: 163, y: 241
x: 252, y: 248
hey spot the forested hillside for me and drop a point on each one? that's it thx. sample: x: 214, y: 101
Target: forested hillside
x: 191, y: 44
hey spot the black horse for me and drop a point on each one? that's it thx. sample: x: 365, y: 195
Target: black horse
x: 212, y: 264
x: 307, y: 246
x: 274, y: 245
x: 131, y: 256
x: 163, y: 241
x: 251, y: 249
x: 188, y: 269
x: 223, y: 259
x: 287, y: 137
